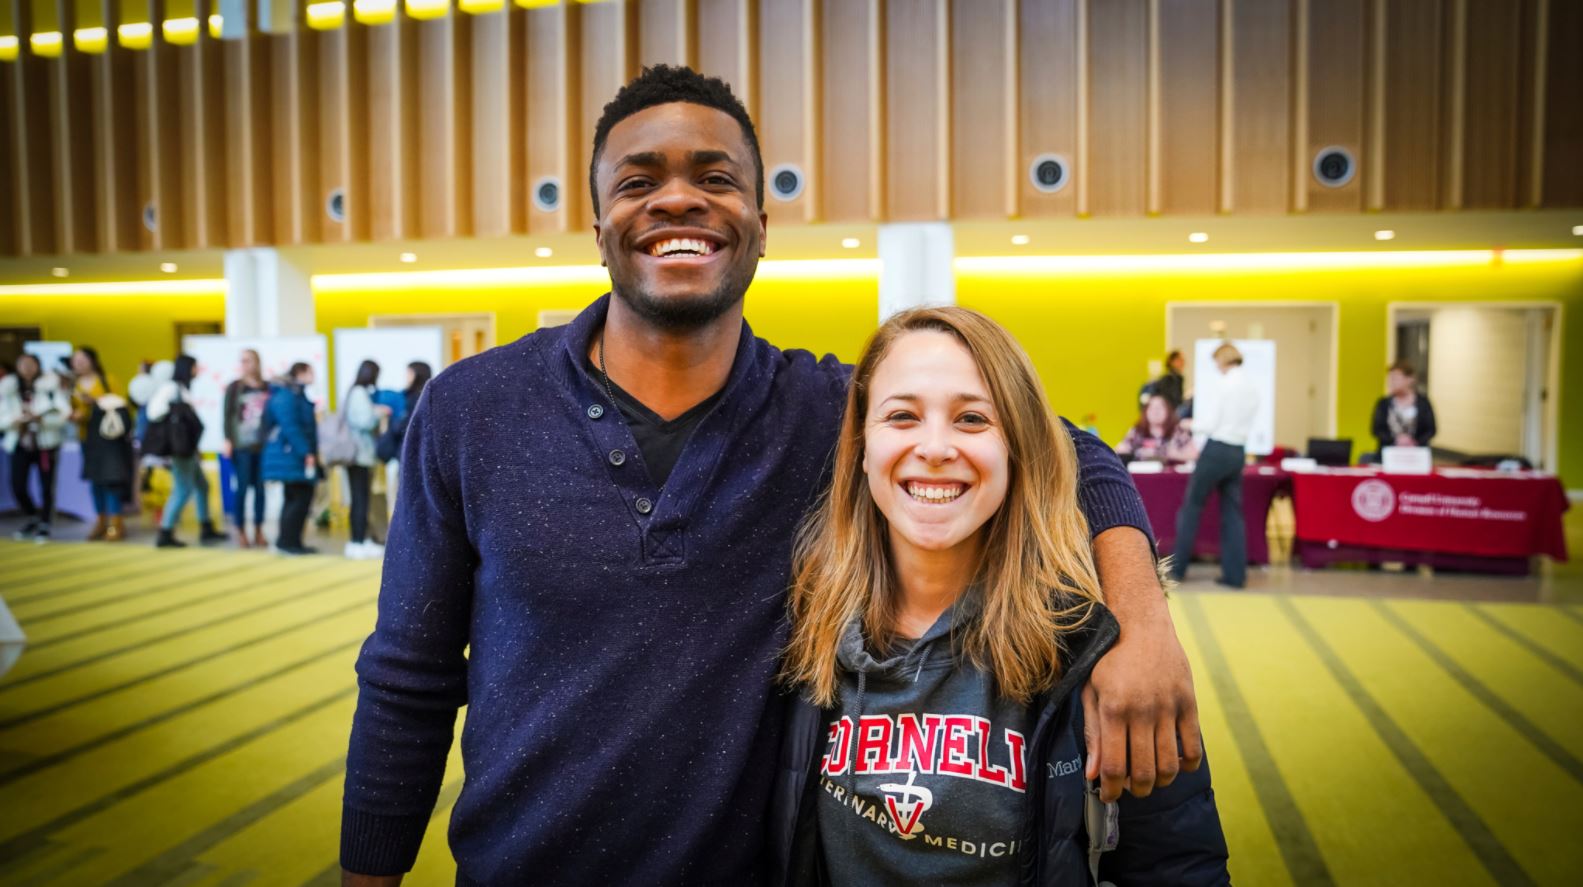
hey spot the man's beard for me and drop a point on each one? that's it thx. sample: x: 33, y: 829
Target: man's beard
x: 687, y: 314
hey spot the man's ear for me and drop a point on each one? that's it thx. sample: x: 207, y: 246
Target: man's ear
x: 764, y: 232
x: 599, y: 244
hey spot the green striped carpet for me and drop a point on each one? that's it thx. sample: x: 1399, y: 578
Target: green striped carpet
x: 181, y: 718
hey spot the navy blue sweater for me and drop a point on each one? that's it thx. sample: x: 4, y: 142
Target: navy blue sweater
x: 615, y: 643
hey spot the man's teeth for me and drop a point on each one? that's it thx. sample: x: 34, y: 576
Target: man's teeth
x: 934, y: 494
x: 682, y: 246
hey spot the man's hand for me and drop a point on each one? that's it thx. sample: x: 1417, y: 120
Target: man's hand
x: 349, y: 879
x: 1139, y: 698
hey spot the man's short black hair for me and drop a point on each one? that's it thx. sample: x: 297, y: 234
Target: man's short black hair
x: 661, y: 85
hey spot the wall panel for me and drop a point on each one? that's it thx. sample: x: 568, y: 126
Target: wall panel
x: 393, y: 130
x: 789, y: 114
x: 498, y: 107
x: 984, y: 109
x: 1118, y: 47
x: 1184, y: 44
x: 250, y: 219
x: 1256, y: 136
x: 1050, y: 84
x: 445, y: 125
x: 202, y: 113
x: 852, y: 116
x: 667, y: 32
x: 343, y: 133
x: 156, y: 97
x: 727, y: 32
x: 608, y: 57
x: 1492, y: 96
x: 1330, y: 100
x: 917, y: 110
x: 71, y: 192
x: 1561, y: 179
x: 1408, y: 106
x: 553, y: 141
x: 294, y: 132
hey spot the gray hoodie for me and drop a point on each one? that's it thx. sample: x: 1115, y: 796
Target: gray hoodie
x: 925, y: 766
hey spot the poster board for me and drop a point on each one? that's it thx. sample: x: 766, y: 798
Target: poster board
x: 219, y: 362
x: 53, y: 357
x: 390, y: 347
x: 1258, y: 366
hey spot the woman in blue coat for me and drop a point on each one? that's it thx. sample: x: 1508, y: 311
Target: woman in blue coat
x: 946, y: 614
x: 291, y: 454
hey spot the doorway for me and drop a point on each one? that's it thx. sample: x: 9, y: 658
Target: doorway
x: 1304, y: 334
x: 463, y: 335
x: 1492, y: 370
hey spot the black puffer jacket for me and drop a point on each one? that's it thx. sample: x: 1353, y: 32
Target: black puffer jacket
x: 1172, y: 837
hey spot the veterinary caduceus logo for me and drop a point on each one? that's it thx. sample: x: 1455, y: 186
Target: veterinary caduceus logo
x: 906, y: 803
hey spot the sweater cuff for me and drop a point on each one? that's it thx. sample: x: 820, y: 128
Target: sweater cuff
x: 1112, y: 505
x: 372, y: 844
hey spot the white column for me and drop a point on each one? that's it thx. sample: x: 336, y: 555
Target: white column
x: 266, y: 294
x: 916, y: 266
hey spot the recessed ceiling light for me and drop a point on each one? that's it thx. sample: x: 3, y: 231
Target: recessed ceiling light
x: 1020, y: 239
x: 851, y: 243
x: 1577, y: 230
x: 544, y: 252
x: 1198, y: 237
x: 1385, y: 234
x: 59, y: 272
x: 168, y: 267
x: 409, y: 258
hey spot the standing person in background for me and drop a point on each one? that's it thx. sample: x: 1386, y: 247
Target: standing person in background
x: 107, y: 464
x: 88, y: 386
x: 246, y: 400
x: 34, y: 410
x: 186, y: 468
x: 1403, y: 417
x: 1169, y: 386
x: 1227, y: 424
x: 291, y: 455
x: 363, y: 416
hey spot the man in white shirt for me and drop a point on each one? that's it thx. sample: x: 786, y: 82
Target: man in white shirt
x: 1226, y: 422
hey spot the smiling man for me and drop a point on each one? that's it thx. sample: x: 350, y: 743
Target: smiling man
x: 592, y: 544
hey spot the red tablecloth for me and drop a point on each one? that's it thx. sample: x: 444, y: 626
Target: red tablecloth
x: 1164, y: 493
x: 1482, y: 514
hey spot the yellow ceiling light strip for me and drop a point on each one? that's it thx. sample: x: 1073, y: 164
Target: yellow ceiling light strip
x: 480, y: 7
x: 89, y: 35
x: 374, y: 12
x: 1016, y: 265
x: 136, y: 30
x: 181, y: 22
x: 327, y: 15
x: 119, y: 288
x: 424, y: 10
x: 536, y: 4
x: 216, y: 26
x: 46, y: 39
x: 9, y: 44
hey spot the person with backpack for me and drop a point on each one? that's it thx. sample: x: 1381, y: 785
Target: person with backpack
x: 291, y: 454
x: 34, y: 409
x: 108, y: 464
x: 173, y: 430
x: 246, y: 401
x: 363, y: 416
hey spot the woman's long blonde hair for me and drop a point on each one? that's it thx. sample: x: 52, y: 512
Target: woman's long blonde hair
x: 1036, y: 575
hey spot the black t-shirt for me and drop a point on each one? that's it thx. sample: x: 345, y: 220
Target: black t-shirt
x: 659, y: 441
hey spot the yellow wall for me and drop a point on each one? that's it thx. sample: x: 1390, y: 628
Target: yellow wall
x: 126, y: 329
x: 1090, y: 333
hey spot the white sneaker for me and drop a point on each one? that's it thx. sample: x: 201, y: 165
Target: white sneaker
x: 354, y: 551
x: 373, y: 551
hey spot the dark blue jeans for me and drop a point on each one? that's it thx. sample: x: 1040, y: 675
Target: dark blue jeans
x: 106, y: 501
x: 249, y: 468
x: 1219, y: 470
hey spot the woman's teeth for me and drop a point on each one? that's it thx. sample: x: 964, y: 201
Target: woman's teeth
x: 935, y: 494
x: 682, y: 247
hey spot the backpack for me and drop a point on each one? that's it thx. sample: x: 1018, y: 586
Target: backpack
x: 337, y: 442
x: 177, y: 434
x: 388, y: 447
x: 112, y: 426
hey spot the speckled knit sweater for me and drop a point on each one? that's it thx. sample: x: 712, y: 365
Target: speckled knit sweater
x: 620, y: 638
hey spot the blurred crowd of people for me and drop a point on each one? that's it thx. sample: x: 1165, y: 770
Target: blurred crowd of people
x: 273, y: 433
